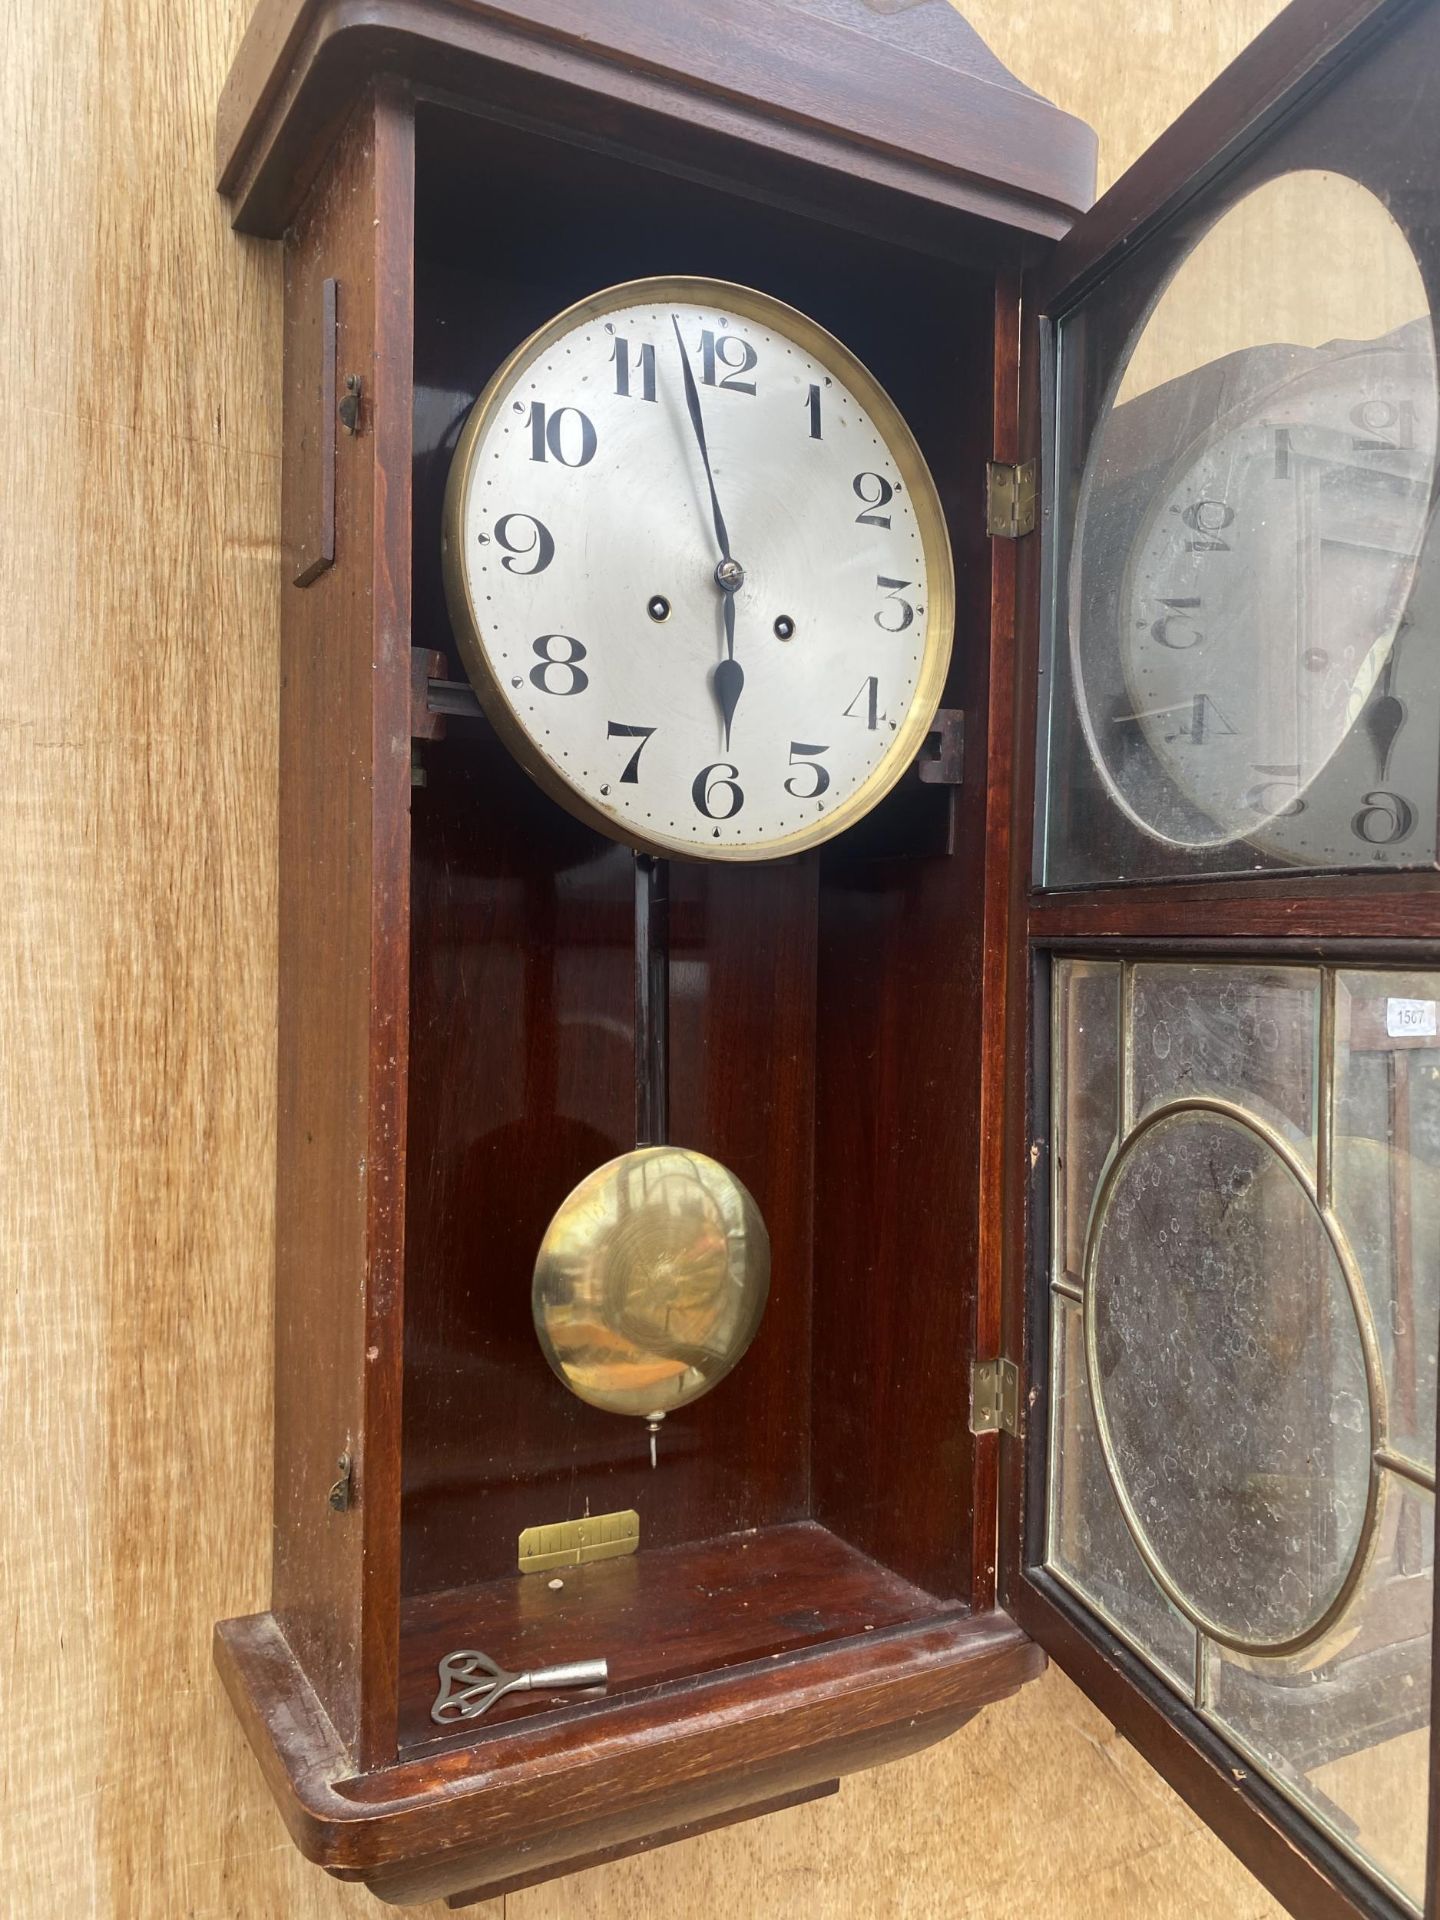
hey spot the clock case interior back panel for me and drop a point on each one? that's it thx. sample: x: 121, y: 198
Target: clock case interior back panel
x: 781, y: 1514
x: 814, y: 1585
x: 782, y: 974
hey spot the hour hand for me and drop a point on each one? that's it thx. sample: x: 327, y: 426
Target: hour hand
x: 729, y: 676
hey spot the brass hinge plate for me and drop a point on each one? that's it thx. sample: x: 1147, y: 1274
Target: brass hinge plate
x: 1011, y: 494
x: 574, y: 1543
x: 995, y: 1397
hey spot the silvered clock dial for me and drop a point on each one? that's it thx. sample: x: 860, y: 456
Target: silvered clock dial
x: 698, y: 571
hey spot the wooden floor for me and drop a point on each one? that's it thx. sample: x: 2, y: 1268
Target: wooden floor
x: 139, y: 496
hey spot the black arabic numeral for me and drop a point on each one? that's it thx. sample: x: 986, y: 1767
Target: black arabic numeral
x: 719, y: 353
x: 814, y: 405
x: 620, y: 354
x: 884, y: 494
x: 803, y: 756
x: 1259, y: 799
x: 719, y: 775
x: 1383, y: 819
x: 1207, y: 520
x: 614, y: 731
x: 565, y: 663
x: 1204, y: 720
x: 1384, y: 427
x: 894, y: 604
x: 870, y: 694
x: 542, y: 546
x: 1161, y: 629
x: 548, y: 435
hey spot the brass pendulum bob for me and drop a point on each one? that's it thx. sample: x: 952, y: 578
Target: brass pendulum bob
x: 652, y: 1276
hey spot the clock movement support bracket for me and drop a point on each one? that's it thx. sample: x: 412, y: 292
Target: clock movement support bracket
x: 942, y: 755
x: 434, y: 699
x: 428, y: 707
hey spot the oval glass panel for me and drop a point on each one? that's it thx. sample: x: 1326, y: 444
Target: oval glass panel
x: 1229, y: 1379
x: 1248, y: 531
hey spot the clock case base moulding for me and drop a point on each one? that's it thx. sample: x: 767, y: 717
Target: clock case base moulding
x: 556, y: 1794
x: 814, y: 1589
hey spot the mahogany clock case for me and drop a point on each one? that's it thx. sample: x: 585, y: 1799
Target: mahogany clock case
x: 822, y: 1011
x: 813, y: 1586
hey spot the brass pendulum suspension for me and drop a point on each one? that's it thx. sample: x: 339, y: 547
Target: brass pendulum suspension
x: 652, y: 1276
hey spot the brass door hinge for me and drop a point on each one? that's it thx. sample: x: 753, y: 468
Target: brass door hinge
x: 995, y: 1397
x: 1010, y: 494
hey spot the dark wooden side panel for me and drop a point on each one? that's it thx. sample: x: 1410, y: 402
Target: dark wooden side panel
x: 995, y: 1080
x: 1015, y: 1043
x: 344, y: 799
x: 391, y: 421
x: 899, y: 1026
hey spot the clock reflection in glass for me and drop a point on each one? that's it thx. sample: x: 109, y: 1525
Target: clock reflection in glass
x: 1266, y: 686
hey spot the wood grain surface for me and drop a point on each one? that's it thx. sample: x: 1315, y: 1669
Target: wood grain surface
x: 139, y: 593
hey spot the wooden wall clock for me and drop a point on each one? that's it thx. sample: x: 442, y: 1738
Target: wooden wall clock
x: 858, y: 824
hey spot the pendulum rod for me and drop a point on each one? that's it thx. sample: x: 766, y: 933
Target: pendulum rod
x: 652, y: 1021
x: 652, y: 1001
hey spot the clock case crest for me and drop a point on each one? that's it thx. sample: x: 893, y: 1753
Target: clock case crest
x: 855, y: 1033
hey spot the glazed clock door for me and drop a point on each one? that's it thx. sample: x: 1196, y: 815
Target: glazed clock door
x: 1226, y: 1493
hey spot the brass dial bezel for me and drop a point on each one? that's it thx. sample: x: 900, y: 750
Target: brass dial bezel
x: 900, y: 442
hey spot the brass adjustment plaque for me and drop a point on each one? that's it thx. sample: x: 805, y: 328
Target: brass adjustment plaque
x: 572, y: 1543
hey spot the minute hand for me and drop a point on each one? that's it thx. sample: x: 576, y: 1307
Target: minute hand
x: 729, y: 676
x: 692, y: 403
